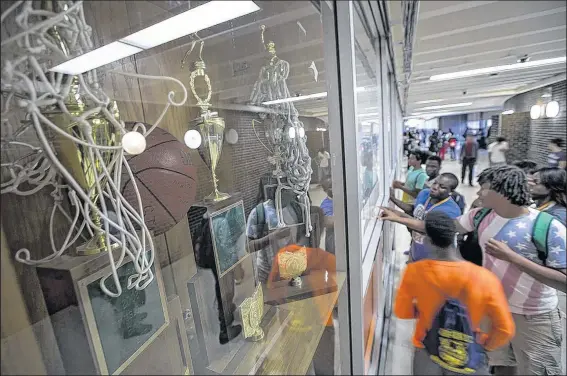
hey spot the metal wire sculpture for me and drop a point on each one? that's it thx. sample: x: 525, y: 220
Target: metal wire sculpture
x: 35, y: 103
x: 285, y: 133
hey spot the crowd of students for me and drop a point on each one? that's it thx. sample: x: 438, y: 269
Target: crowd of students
x: 483, y: 284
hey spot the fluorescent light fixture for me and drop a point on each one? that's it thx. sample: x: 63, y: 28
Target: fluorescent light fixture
x: 191, y: 21
x: 430, y: 101
x: 444, y: 106
x: 369, y: 114
x: 296, y: 99
x: 500, y: 68
x: 322, y: 94
x: 96, y: 58
x: 508, y: 112
x: 546, y: 95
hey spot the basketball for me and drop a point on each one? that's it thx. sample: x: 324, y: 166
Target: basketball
x: 165, y: 177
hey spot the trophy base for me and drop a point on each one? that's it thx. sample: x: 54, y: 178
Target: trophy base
x: 256, y: 337
x: 296, y: 282
x: 91, y: 247
x: 217, y: 196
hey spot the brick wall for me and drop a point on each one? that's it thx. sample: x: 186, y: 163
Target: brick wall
x: 241, y: 165
x: 542, y: 129
x: 516, y: 129
x: 494, y: 129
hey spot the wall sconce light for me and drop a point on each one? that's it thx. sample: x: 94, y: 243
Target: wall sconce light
x: 552, y: 109
x: 535, y: 112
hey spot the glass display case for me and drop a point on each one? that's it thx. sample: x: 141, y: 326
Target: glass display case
x: 167, y: 185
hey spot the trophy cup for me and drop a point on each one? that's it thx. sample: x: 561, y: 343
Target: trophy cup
x: 292, y: 265
x: 209, y: 125
x: 252, y: 310
x: 75, y: 157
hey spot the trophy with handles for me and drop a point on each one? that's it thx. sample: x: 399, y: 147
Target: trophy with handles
x: 209, y: 125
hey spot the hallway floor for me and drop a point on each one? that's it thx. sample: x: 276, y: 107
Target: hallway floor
x: 400, y: 349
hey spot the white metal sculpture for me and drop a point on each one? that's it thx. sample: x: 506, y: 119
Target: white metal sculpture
x: 30, y: 93
x: 285, y: 133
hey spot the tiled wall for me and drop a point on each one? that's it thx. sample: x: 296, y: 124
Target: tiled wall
x: 542, y: 129
x: 516, y: 128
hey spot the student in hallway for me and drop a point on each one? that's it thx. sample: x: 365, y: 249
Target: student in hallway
x: 427, y: 284
x: 497, y: 152
x: 557, y: 157
x: 530, y: 272
x: 438, y: 198
x: 469, y: 156
x: 415, y: 178
x: 548, y: 188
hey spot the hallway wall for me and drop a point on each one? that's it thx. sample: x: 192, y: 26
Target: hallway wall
x: 542, y: 129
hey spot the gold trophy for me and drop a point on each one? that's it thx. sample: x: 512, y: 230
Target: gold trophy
x: 209, y: 124
x: 252, y: 310
x: 292, y: 265
x: 75, y: 157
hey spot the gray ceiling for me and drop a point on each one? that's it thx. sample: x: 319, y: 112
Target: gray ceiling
x: 453, y: 36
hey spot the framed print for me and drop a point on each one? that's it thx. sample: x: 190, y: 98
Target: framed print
x: 121, y: 328
x: 228, y: 232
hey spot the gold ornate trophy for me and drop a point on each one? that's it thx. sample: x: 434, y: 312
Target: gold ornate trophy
x: 292, y: 265
x: 209, y: 124
x: 252, y: 310
x: 75, y: 157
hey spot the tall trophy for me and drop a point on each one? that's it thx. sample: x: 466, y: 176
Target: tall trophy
x: 209, y: 126
x: 75, y: 157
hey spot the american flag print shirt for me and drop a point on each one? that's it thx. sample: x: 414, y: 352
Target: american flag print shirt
x: 525, y: 295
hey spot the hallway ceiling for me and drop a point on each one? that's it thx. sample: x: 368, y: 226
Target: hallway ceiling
x: 453, y: 36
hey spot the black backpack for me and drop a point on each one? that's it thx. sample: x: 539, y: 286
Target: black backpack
x: 468, y: 244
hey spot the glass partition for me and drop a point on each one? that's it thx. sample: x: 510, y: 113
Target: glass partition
x: 206, y: 129
x: 369, y: 125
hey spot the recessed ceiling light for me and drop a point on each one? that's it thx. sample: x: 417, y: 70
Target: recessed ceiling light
x: 508, y: 112
x: 191, y: 21
x: 430, y: 101
x: 546, y: 95
x: 500, y: 68
x: 444, y: 106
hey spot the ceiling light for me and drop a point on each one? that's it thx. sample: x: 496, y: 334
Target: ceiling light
x: 444, y: 106
x: 298, y: 98
x: 546, y: 95
x: 500, y: 68
x: 430, y: 101
x: 535, y: 112
x: 508, y: 112
x: 552, y: 109
x: 370, y: 114
x: 191, y: 21
x: 96, y: 58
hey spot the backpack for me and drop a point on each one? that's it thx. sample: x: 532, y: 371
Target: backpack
x: 471, y: 250
x: 451, y: 341
x: 460, y: 200
x: 260, y: 219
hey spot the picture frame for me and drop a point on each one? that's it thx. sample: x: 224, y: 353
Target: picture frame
x: 102, y: 323
x: 228, y: 234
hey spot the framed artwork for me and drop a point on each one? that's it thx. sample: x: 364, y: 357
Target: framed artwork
x: 121, y: 328
x: 228, y: 231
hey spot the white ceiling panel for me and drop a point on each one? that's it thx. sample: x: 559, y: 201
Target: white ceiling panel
x: 453, y: 36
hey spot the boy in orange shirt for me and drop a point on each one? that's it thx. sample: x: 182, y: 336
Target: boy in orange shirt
x: 428, y: 285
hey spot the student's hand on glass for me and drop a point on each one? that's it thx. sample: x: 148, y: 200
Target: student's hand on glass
x: 500, y: 250
x: 397, y: 184
x: 388, y: 214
